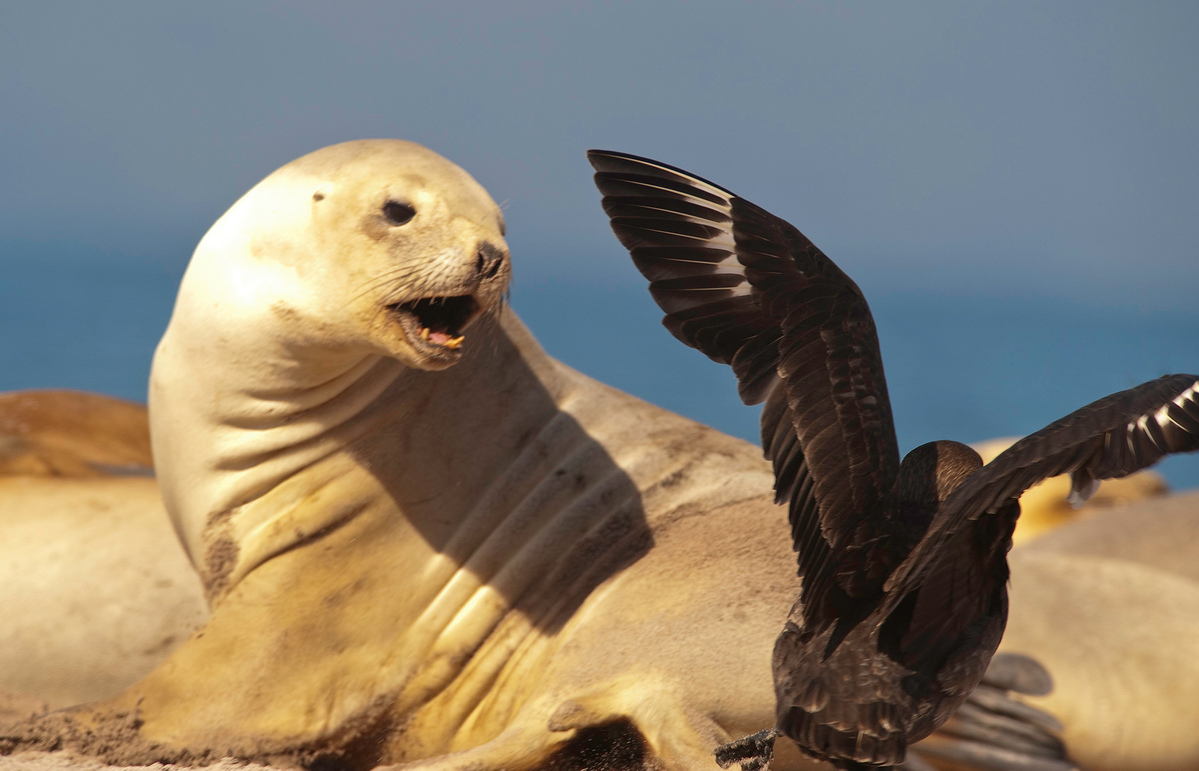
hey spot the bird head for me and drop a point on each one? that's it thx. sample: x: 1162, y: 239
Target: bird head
x: 929, y: 473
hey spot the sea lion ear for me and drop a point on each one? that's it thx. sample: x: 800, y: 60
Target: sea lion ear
x: 319, y: 194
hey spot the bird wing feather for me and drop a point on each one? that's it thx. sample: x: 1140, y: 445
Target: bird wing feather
x: 1108, y: 438
x: 750, y: 290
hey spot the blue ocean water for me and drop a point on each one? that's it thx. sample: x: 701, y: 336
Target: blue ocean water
x: 957, y: 368
x: 90, y: 323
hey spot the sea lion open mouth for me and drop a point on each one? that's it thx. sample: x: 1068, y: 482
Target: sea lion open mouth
x: 434, y: 325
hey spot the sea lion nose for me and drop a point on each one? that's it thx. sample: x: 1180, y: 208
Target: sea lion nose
x: 490, y: 258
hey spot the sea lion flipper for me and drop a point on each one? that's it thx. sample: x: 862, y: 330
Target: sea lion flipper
x: 993, y: 730
x: 631, y: 720
x: 1019, y: 673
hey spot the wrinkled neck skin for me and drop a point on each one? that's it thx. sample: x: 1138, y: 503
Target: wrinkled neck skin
x: 244, y: 396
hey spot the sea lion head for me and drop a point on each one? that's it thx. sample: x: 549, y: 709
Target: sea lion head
x: 339, y: 274
x: 381, y: 244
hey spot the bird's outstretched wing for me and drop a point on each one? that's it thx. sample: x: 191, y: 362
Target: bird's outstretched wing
x: 751, y: 291
x: 1108, y: 438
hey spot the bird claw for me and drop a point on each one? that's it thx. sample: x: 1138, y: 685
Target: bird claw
x: 754, y: 753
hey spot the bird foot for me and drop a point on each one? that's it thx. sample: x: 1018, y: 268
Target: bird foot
x: 754, y: 753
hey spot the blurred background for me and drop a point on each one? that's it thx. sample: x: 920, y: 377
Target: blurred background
x: 1015, y: 187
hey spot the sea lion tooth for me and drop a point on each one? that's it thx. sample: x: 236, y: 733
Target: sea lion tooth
x: 455, y: 342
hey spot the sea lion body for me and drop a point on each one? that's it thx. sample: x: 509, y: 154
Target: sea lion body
x: 1110, y: 606
x: 61, y: 433
x: 96, y: 590
x: 478, y: 571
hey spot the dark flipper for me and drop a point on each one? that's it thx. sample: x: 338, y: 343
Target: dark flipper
x: 1019, y: 673
x: 994, y: 732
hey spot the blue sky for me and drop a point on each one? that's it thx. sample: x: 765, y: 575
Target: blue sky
x: 1042, y: 154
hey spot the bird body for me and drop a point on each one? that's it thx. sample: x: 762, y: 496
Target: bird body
x: 861, y: 684
x: 904, y: 565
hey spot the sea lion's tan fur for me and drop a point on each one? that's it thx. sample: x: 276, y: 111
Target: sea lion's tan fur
x: 72, y: 434
x: 503, y: 564
x: 96, y: 591
x: 1110, y: 605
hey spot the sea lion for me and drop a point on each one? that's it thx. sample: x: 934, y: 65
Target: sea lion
x: 1110, y: 606
x: 503, y: 564
x: 96, y: 589
x: 72, y: 434
x: 403, y: 562
x: 1119, y: 591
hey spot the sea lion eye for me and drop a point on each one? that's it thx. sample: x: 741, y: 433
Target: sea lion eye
x: 398, y: 213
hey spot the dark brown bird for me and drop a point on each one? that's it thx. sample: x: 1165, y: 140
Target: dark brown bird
x: 904, y: 565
